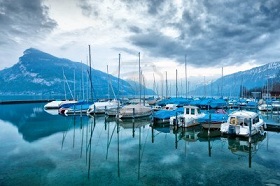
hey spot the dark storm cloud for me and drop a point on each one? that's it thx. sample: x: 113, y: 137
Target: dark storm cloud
x: 215, y: 33
x: 223, y: 33
x: 159, y: 44
x: 126, y: 50
x: 154, y: 6
x: 135, y: 29
x: 87, y: 8
x: 23, y: 20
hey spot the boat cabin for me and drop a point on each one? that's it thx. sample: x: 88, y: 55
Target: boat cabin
x: 191, y: 110
x: 243, y: 119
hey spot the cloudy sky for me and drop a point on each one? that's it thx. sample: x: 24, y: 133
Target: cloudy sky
x: 234, y: 34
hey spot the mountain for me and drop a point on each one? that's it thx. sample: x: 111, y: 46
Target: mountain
x: 255, y: 79
x: 39, y: 73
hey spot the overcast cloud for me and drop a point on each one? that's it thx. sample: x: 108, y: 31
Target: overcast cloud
x: 211, y: 33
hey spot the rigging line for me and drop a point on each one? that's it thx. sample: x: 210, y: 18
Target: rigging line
x: 98, y: 140
x: 64, y: 135
x: 112, y: 88
x: 109, y: 142
x: 90, y: 138
x: 144, y: 147
x: 82, y: 131
x: 111, y: 136
x: 68, y: 85
x: 91, y: 84
x: 157, y: 134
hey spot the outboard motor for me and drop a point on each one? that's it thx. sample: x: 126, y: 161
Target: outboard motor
x: 174, y: 122
x: 231, y: 130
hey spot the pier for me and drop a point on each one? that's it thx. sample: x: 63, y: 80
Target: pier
x: 272, y: 126
x: 25, y: 101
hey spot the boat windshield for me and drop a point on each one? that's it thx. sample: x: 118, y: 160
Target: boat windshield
x: 192, y: 111
x: 256, y: 120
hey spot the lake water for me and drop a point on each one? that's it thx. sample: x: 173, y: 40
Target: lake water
x: 38, y: 148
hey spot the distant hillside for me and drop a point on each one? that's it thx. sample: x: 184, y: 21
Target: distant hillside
x: 231, y: 85
x: 39, y: 73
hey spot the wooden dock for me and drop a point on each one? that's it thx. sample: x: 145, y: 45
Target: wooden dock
x: 5, y: 102
x: 273, y: 126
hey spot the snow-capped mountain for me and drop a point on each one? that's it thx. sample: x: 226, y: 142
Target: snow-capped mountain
x: 231, y: 85
x: 39, y: 73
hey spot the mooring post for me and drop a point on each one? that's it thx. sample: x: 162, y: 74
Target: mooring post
x: 209, y: 124
x: 250, y: 130
x: 177, y: 121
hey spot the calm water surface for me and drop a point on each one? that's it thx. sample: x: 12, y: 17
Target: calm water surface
x: 39, y: 148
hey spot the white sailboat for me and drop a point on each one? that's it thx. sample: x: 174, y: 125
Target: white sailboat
x: 100, y: 107
x: 135, y: 110
x: 57, y: 104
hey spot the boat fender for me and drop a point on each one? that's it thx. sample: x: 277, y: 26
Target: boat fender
x: 265, y: 125
x: 262, y: 129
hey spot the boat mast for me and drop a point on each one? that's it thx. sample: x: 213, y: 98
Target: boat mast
x: 119, y: 69
x: 154, y: 85
x: 144, y: 89
x: 176, y: 84
x: 90, y: 78
x: 65, y: 97
x: 108, y: 82
x: 166, y: 85
x: 139, y: 77
x: 222, y: 82
x: 82, y: 84
x: 204, y: 87
x: 186, y: 76
x: 75, y: 98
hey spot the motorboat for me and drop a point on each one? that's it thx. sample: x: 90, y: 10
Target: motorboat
x: 188, y: 118
x: 243, y: 123
x: 163, y: 116
x: 265, y: 107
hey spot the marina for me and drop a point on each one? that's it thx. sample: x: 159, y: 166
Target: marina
x: 136, y: 93
x: 45, y: 149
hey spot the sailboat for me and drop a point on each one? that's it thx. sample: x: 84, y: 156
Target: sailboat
x: 104, y: 107
x: 135, y: 110
x: 100, y: 107
x: 81, y: 107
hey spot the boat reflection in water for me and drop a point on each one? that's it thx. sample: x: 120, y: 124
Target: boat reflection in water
x: 116, y: 134
x: 243, y: 147
x: 82, y: 150
x: 133, y: 125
